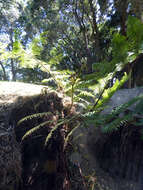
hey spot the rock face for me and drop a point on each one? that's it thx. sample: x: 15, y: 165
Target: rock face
x: 10, y: 158
x: 32, y: 165
x: 10, y: 150
x: 122, y: 96
x: 114, y: 161
x: 119, y: 158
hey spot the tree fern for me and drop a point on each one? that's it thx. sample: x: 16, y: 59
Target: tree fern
x: 91, y: 90
x: 73, y: 84
x: 91, y: 117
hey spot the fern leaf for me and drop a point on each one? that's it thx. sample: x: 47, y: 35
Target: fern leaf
x: 86, y: 94
x: 116, y: 123
x: 123, y: 107
x: 33, y: 116
x: 53, y: 130
x: 35, y: 129
x: 69, y: 135
x: 61, y: 122
x: 110, y: 91
x: 81, y: 100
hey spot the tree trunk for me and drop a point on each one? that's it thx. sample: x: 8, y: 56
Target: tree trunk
x: 4, y: 72
x: 83, y: 31
x: 95, y: 32
x: 13, y: 70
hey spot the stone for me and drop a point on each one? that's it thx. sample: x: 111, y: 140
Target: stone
x: 121, y: 97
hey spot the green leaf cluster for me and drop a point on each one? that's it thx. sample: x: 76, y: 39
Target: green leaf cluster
x: 135, y: 34
x: 126, y: 48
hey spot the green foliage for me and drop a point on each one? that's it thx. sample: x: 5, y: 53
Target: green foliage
x: 34, y: 130
x: 82, y: 95
x: 110, y: 91
x: 4, y: 54
x: 30, y: 117
x: 91, y: 90
x: 36, y: 47
x: 120, y: 48
x: 123, y: 115
x: 51, y: 133
x: 116, y: 123
x: 79, y: 46
x: 135, y: 34
x: 81, y: 89
x: 126, y: 48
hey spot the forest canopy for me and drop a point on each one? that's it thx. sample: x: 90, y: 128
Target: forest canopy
x: 90, y: 38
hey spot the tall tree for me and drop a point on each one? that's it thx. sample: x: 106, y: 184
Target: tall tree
x: 76, y: 34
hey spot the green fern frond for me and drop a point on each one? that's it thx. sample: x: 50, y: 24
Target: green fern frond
x: 123, y: 107
x: 35, y: 129
x: 90, y: 115
x: 85, y: 93
x: 54, y: 129
x: 116, y: 123
x: 70, y: 134
x: 93, y: 118
x: 33, y: 116
x: 108, y: 93
x: 60, y: 122
x: 112, y: 121
x: 86, y: 84
x: 81, y: 100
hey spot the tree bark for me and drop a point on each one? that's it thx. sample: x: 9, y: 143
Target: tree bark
x: 4, y: 72
x: 85, y: 38
x: 13, y: 70
x: 95, y: 32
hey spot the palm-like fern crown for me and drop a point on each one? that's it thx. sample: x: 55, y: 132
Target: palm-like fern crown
x: 93, y: 91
